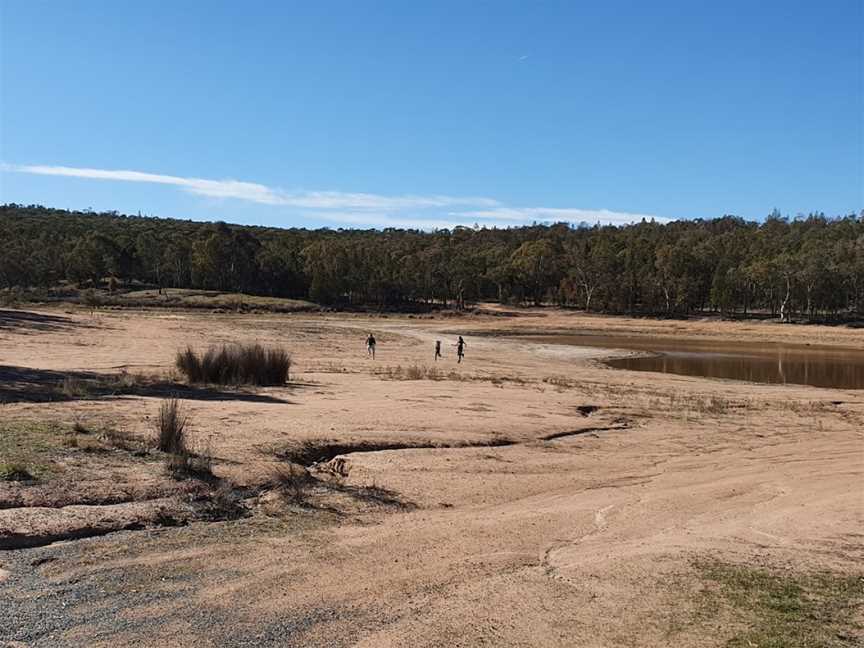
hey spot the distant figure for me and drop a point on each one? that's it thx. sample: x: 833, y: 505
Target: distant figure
x: 460, y: 349
x: 370, y: 346
x: 438, y: 350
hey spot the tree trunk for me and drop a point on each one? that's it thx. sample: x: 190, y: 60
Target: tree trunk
x: 588, y: 293
x: 784, y: 315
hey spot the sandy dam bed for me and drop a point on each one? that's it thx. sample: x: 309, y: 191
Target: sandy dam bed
x: 530, y: 496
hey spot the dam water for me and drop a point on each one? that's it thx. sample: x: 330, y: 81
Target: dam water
x: 839, y: 368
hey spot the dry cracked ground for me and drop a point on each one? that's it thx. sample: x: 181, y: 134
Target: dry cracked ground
x: 530, y: 496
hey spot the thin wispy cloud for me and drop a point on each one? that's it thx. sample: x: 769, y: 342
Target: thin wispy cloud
x: 355, y: 209
x: 340, y: 200
x: 543, y: 214
x: 379, y: 220
x: 262, y: 194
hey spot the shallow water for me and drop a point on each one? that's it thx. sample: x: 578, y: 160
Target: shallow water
x: 753, y: 362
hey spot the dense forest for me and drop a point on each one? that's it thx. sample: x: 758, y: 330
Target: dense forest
x: 808, y: 267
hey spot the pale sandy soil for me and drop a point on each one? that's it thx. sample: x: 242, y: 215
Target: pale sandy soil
x: 584, y: 539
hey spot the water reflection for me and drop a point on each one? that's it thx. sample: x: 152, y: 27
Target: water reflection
x: 763, y: 363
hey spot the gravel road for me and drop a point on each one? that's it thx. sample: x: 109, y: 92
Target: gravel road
x: 45, y: 604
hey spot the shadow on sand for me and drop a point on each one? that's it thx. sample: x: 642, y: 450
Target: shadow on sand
x: 28, y: 385
x: 27, y: 322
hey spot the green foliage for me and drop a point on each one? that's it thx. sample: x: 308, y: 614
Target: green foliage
x: 784, y: 609
x: 809, y: 267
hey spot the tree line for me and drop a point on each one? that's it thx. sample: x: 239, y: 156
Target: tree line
x: 808, y: 267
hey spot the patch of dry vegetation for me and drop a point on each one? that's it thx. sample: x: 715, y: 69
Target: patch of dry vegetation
x: 560, y: 381
x: 324, y: 489
x: 292, y: 483
x: 171, y: 427
x: 82, y: 387
x: 220, y: 504
x: 782, y: 608
x: 26, y: 449
x: 15, y: 471
x: 235, y: 364
x: 207, y: 299
x: 415, y: 372
x: 39, y: 452
x: 172, y: 438
x: 425, y: 372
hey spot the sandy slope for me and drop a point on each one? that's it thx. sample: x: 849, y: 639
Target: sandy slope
x: 586, y: 539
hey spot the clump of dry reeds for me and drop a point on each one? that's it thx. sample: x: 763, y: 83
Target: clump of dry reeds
x: 236, y: 364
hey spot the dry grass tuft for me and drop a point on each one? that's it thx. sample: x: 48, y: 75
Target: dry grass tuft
x: 423, y: 372
x: 73, y: 387
x: 122, y: 441
x: 560, y: 381
x: 189, y: 466
x: 126, y: 380
x: 236, y: 364
x: 412, y: 372
x: 182, y: 461
x: 292, y: 483
x: 223, y: 503
x: 712, y: 405
x: 17, y: 472
x: 80, y: 428
x: 171, y: 427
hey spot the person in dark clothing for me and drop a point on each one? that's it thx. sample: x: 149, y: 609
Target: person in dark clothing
x: 438, y: 350
x: 370, y: 346
x: 460, y: 349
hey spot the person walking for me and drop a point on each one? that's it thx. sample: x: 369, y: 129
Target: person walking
x: 460, y: 350
x: 370, y: 346
x: 438, y: 350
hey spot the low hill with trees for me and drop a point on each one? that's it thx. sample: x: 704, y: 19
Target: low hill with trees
x: 809, y: 267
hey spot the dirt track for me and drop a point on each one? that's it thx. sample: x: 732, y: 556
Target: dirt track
x: 582, y: 530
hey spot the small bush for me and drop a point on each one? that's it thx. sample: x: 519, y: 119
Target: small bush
x: 122, y: 441
x: 292, y: 483
x: 712, y: 405
x: 15, y: 472
x: 171, y: 428
x: 10, y: 297
x: 73, y: 387
x: 187, y: 464
x: 91, y: 300
x: 182, y: 461
x: 415, y: 372
x: 126, y: 380
x: 236, y: 364
x: 223, y: 503
x: 188, y: 363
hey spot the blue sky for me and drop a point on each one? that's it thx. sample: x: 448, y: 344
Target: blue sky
x: 431, y: 114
